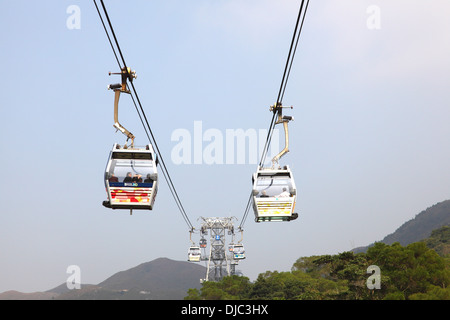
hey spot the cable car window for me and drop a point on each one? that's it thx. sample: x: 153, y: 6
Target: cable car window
x: 125, y: 171
x: 274, y: 186
x: 238, y: 249
x: 194, y: 251
x: 132, y: 155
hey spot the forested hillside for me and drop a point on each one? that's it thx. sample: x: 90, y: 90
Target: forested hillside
x: 415, y: 271
x: 440, y: 241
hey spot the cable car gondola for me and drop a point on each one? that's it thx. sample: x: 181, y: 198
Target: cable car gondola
x: 238, y: 251
x: 194, y: 254
x: 131, y: 178
x: 274, y: 193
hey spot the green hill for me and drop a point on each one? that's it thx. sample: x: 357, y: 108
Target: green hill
x: 385, y: 272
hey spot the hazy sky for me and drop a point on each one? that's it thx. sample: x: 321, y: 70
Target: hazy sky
x: 369, y: 143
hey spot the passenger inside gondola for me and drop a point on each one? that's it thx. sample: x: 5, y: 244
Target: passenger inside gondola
x: 113, y: 178
x: 137, y: 178
x: 128, y: 178
x: 273, y: 187
x: 136, y: 172
x: 284, y: 194
x: 148, y: 179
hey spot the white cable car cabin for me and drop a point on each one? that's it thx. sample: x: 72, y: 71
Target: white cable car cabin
x: 274, y: 195
x: 131, y: 178
x: 274, y: 191
x: 194, y: 254
x: 238, y: 251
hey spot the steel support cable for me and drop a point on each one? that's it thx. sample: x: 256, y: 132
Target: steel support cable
x: 147, y: 127
x: 113, y: 33
x: 166, y: 175
x: 291, y: 53
x: 107, y: 34
x: 285, y: 78
x: 247, y: 209
x: 165, y: 171
x: 286, y: 73
x: 296, y: 44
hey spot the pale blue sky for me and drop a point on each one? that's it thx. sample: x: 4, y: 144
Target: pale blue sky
x: 369, y: 144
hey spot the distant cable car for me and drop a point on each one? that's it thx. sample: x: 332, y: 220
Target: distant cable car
x: 274, y: 192
x: 238, y: 251
x: 194, y: 254
x: 203, y: 243
x: 131, y: 178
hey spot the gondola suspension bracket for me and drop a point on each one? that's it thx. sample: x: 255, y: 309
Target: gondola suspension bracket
x: 277, y: 109
x: 118, y: 88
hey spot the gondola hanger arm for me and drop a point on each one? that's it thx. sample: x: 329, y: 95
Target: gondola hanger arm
x: 277, y: 108
x: 118, y: 88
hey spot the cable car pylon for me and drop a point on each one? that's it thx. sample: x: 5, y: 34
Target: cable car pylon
x: 219, y: 261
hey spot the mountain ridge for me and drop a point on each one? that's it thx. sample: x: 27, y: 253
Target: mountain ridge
x: 418, y: 228
x: 159, y: 279
x: 167, y: 279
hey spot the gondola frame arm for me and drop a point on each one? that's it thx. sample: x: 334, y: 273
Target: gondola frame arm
x: 126, y: 74
x: 278, y: 109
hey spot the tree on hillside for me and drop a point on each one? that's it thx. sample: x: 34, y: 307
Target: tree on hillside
x: 439, y: 241
x: 295, y: 285
x: 229, y: 288
x: 410, y: 270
